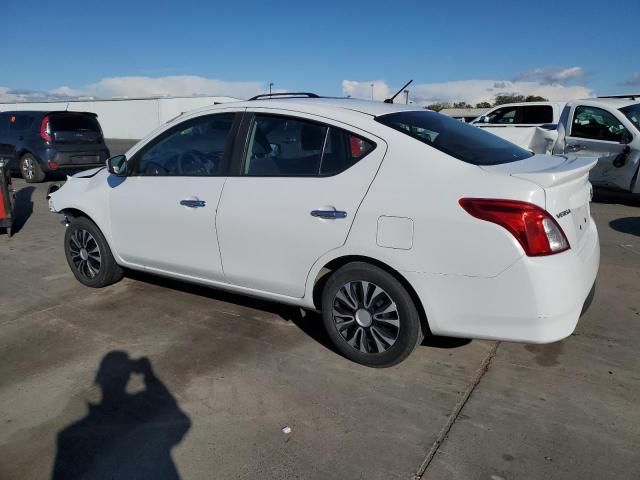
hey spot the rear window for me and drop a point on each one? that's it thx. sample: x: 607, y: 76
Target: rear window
x: 73, y: 123
x: 460, y: 140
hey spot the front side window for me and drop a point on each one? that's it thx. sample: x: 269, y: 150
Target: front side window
x: 458, y: 139
x: 596, y: 124
x: 632, y: 112
x: 503, y: 116
x: 292, y: 147
x: 536, y: 114
x: 193, y: 148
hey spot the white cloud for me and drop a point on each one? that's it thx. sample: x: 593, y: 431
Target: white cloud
x: 470, y: 91
x: 551, y: 75
x: 142, y: 86
x: 632, y: 81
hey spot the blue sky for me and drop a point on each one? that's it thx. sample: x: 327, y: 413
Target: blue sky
x: 465, y: 50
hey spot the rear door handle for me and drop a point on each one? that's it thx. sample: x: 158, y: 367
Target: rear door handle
x: 329, y: 214
x: 193, y: 203
x: 575, y: 147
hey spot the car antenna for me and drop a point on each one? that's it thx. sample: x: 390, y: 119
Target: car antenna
x: 390, y: 100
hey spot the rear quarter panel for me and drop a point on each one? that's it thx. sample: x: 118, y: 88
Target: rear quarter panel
x: 418, y: 182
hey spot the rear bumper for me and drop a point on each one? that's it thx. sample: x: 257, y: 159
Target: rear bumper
x: 536, y: 300
x: 77, y: 160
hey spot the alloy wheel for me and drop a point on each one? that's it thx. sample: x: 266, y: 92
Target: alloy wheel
x: 85, y: 253
x: 366, y: 317
x: 28, y: 169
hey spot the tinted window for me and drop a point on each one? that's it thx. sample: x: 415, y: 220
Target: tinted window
x: 536, y: 114
x: 505, y: 115
x: 289, y: 147
x: 632, y: 112
x: 193, y: 148
x: 460, y: 140
x: 70, y: 122
x: 596, y: 124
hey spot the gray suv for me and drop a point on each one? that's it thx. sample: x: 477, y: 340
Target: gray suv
x: 50, y: 142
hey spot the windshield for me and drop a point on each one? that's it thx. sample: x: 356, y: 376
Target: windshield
x: 632, y: 112
x: 453, y: 137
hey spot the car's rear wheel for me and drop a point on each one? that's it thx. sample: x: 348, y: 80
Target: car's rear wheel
x: 30, y: 169
x: 89, y: 255
x: 370, y: 316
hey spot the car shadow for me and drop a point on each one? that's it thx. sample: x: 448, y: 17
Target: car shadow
x: 309, y: 321
x: 630, y: 225
x: 126, y: 435
x: 23, y: 208
x: 601, y: 195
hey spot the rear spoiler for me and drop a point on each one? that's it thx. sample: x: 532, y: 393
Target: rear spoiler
x: 67, y: 112
x: 571, y: 169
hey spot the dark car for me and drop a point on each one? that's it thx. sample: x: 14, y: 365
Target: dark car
x: 49, y: 142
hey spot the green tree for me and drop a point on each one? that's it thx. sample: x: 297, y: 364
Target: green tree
x: 535, y: 98
x: 461, y: 105
x: 436, y: 107
x: 483, y: 105
x: 507, y: 98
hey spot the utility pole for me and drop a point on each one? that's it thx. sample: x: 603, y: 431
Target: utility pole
x: 406, y: 97
x: 270, y: 86
x: 372, y: 91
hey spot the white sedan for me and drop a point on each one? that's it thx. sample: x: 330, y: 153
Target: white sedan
x: 394, y: 222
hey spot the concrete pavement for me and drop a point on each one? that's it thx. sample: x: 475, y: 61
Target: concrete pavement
x: 228, y: 373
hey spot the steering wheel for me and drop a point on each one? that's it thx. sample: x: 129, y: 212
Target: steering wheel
x: 154, y: 169
x: 192, y: 162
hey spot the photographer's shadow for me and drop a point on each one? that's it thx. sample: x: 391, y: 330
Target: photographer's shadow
x: 126, y: 435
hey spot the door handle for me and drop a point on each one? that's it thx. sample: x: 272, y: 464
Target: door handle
x: 193, y: 203
x: 575, y: 147
x: 329, y: 214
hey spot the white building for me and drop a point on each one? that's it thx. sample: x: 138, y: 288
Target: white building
x: 126, y: 118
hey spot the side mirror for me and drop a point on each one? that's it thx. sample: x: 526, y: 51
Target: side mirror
x: 117, y: 165
x: 626, y: 137
x: 482, y: 119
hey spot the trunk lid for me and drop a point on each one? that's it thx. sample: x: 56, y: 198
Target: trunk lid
x: 565, y: 180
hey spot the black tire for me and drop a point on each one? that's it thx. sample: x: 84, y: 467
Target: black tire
x: 375, y: 338
x: 30, y: 169
x: 83, y: 240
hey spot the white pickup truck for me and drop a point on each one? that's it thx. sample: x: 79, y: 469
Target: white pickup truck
x: 605, y: 127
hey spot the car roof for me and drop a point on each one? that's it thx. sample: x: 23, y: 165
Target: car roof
x: 367, y: 107
x: 44, y: 112
x: 615, y: 102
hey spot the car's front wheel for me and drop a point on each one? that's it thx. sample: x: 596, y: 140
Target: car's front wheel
x: 370, y: 316
x: 89, y: 255
x: 30, y: 169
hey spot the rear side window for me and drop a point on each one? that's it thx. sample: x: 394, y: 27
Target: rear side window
x: 291, y: 147
x: 536, y: 114
x: 20, y: 122
x: 74, y: 123
x: 460, y: 140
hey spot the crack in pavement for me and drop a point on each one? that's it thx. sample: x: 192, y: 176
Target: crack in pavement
x: 444, y: 431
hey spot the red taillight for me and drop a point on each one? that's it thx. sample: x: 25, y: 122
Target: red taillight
x: 358, y: 147
x: 45, y: 129
x: 536, y: 230
x: 53, y: 165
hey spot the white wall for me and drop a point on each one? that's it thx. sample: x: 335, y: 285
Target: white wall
x: 126, y: 118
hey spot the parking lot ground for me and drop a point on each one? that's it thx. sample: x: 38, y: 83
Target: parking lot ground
x: 230, y: 373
